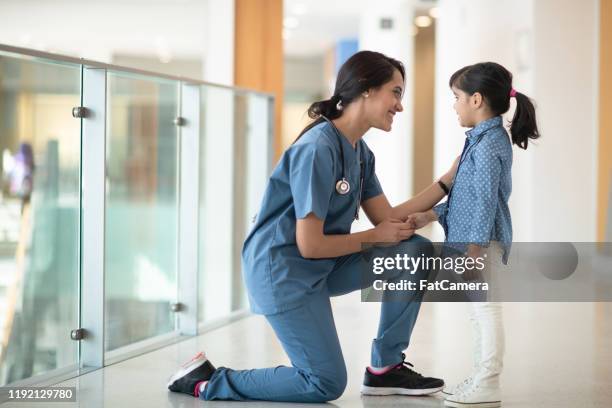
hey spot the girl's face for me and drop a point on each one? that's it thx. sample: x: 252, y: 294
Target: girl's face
x: 465, y: 106
x: 384, y: 102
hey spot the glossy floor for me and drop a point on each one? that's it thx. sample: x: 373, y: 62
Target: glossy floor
x: 558, y: 355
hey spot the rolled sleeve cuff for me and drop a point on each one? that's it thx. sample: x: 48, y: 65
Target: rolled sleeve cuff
x: 440, y: 211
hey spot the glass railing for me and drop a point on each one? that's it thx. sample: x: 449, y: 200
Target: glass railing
x: 125, y: 198
x: 141, y: 228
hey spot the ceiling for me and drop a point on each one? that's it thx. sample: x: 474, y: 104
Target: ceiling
x: 321, y: 23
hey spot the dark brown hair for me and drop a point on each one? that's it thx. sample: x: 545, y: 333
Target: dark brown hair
x: 494, y: 83
x: 362, y: 71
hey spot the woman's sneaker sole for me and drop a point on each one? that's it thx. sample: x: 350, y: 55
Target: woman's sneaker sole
x: 488, y: 404
x: 365, y: 390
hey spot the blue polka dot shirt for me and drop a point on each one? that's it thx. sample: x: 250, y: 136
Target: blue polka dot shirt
x: 476, y: 211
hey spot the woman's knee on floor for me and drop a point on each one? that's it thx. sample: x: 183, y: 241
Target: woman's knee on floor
x: 329, y: 385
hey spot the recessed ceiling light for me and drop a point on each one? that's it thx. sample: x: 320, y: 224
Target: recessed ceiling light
x: 434, y: 12
x: 422, y: 21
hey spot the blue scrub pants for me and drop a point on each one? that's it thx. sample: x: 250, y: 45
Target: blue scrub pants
x: 309, y: 337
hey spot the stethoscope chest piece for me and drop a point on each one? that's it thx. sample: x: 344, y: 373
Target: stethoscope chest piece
x: 342, y: 186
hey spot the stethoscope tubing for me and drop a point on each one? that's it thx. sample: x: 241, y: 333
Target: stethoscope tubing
x: 343, y: 185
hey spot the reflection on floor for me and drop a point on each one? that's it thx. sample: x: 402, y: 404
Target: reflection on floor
x: 558, y: 355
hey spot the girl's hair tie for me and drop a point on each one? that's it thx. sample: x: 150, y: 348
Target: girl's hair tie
x: 512, y: 93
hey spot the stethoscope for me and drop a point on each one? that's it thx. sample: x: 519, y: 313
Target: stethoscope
x: 343, y: 187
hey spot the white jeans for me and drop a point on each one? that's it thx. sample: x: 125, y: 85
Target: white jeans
x: 488, y: 329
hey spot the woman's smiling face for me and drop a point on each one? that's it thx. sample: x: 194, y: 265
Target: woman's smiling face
x: 384, y: 102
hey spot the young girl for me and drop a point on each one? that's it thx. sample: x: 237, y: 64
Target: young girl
x: 476, y: 216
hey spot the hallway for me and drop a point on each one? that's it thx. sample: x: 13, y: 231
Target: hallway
x: 568, y: 345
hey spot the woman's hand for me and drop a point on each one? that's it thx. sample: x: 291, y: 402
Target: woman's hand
x: 421, y: 219
x: 449, y: 176
x: 392, y: 230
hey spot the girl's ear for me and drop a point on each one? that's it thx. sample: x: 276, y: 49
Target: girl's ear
x: 476, y: 100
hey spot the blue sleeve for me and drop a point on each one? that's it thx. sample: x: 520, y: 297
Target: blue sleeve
x: 371, y: 185
x: 486, y: 184
x: 311, y: 177
x: 441, y: 210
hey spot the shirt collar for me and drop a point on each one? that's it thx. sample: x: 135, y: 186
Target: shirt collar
x: 483, y: 126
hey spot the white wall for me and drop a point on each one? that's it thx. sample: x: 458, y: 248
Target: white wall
x: 393, y: 150
x: 219, y: 35
x: 216, y: 199
x: 566, y: 89
x: 549, y: 47
x: 218, y: 104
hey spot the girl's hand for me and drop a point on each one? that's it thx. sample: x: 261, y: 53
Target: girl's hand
x: 392, y: 230
x: 420, y: 220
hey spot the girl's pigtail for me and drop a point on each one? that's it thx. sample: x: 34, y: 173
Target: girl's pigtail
x: 524, y: 125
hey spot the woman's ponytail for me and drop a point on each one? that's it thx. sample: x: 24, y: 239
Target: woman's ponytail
x: 327, y: 108
x: 524, y: 125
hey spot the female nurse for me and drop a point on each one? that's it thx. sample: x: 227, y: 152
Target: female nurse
x: 301, y: 252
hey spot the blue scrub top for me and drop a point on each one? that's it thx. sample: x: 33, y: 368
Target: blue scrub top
x: 277, y: 277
